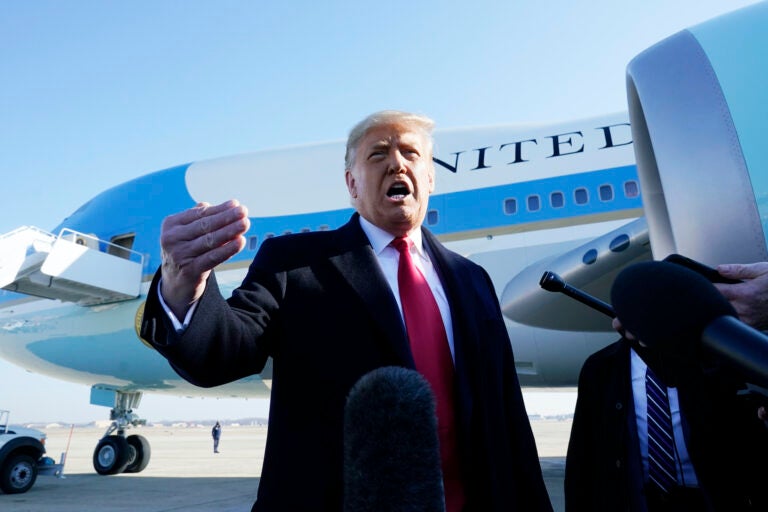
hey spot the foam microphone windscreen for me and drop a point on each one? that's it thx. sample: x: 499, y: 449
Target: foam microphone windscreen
x: 665, y: 305
x: 391, y: 449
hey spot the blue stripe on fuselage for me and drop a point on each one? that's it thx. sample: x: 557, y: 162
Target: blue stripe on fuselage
x: 484, y: 208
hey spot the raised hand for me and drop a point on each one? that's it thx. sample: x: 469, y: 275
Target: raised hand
x: 195, y: 241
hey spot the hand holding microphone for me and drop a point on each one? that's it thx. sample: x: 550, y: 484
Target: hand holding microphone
x: 679, y: 313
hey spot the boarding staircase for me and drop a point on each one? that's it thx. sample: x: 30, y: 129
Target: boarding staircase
x: 71, y: 267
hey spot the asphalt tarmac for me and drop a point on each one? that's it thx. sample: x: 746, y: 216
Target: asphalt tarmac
x: 185, y: 474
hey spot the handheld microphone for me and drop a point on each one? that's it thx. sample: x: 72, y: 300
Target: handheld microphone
x: 678, y: 312
x: 391, y: 449
x: 554, y: 283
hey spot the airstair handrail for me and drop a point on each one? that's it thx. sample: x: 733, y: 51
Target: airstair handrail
x: 92, y: 242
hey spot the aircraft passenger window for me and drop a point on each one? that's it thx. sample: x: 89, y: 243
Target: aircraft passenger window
x: 324, y: 227
x: 253, y: 242
x: 510, y: 206
x: 305, y: 230
x: 269, y: 235
x: 619, y: 243
x: 631, y: 189
x: 287, y: 232
x: 589, y: 257
x: 606, y: 192
x: 557, y: 199
x: 581, y: 195
x: 432, y: 217
x: 534, y: 203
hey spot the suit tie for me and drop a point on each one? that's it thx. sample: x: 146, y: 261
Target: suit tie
x: 429, y: 346
x: 661, y: 443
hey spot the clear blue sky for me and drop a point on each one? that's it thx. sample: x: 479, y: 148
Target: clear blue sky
x: 94, y: 93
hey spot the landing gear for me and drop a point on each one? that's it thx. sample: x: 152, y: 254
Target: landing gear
x: 140, y: 452
x: 115, y: 453
x: 111, y: 455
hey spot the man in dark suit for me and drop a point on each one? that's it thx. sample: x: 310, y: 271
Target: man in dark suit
x: 326, y: 306
x: 718, y: 438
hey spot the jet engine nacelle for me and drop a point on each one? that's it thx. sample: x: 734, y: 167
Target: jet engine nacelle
x: 698, y: 106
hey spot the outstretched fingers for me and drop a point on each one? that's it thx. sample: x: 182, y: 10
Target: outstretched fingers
x: 743, y: 271
x: 195, y: 241
x: 200, y: 231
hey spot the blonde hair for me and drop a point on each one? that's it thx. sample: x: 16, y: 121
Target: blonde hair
x: 384, y: 118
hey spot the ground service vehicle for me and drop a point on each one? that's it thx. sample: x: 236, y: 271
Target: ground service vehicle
x: 22, y: 457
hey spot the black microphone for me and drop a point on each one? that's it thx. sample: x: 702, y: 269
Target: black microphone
x: 678, y: 312
x: 391, y: 449
x: 554, y: 283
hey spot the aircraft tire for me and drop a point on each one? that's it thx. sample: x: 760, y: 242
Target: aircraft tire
x: 111, y: 455
x: 141, y: 453
x: 18, y: 474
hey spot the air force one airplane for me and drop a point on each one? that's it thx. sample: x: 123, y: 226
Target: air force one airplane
x: 686, y: 171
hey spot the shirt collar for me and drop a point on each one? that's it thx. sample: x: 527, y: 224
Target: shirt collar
x: 380, y: 239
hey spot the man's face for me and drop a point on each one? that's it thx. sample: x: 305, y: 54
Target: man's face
x: 392, y: 177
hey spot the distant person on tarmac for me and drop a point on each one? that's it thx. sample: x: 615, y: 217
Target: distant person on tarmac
x: 216, y: 433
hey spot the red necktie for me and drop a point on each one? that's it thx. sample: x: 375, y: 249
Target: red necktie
x: 429, y: 346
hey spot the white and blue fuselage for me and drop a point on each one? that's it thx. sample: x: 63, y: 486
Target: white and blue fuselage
x: 505, y: 197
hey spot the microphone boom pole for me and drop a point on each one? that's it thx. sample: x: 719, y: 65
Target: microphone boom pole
x: 554, y: 283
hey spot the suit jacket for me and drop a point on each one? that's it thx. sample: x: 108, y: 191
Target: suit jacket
x: 319, y: 305
x: 725, y: 441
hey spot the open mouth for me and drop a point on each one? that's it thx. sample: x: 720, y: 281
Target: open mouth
x: 398, y: 191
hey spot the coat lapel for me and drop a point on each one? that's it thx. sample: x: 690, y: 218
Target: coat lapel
x: 357, y: 264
